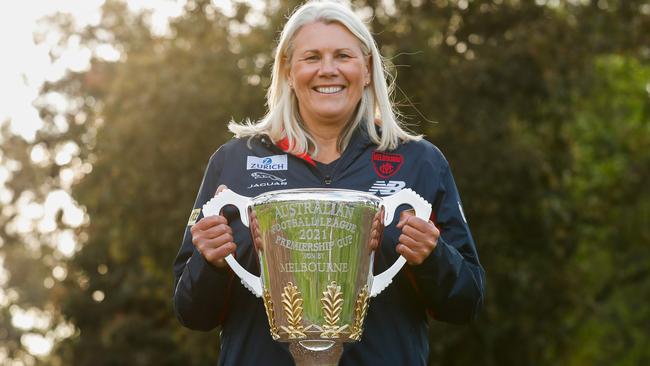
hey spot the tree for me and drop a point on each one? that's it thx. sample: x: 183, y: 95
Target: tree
x: 541, y: 109
x: 164, y: 112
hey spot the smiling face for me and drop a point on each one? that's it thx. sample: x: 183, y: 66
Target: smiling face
x: 328, y: 72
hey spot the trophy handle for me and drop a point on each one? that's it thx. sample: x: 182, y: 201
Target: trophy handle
x: 422, y: 210
x: 213, y: 207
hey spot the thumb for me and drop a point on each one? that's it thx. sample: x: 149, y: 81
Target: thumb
x: 221, y: 188
x: 403, y: 217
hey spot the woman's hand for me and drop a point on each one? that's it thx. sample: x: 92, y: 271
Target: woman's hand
x: 377, y: 230
x: 419, y: 238
x: 212, y: 237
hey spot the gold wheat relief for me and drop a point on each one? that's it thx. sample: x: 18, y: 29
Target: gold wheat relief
x: 332, y: 302
x: 268, y: 305
x: 360, y: 309
x: 292, y: 305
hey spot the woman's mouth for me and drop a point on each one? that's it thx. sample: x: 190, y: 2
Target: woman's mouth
x: 328, y: 89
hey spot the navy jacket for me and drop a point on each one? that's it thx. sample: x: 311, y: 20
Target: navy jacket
x: 449, y: 284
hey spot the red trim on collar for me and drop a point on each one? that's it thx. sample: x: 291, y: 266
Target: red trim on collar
x: 284, y: 145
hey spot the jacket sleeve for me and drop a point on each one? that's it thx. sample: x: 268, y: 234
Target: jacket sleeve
x: 451, y: 279
x: 201, y: 291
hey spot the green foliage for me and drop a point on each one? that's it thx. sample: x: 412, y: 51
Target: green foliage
x: 612, y: 166
x: 542, y: 110
x: 165, y: 113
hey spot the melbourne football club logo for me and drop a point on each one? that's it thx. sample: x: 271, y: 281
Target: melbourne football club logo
x: 386, y: 164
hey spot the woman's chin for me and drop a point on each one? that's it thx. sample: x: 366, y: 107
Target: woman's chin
x: 333, y: 117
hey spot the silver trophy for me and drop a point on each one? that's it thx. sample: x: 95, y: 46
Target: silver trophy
x: 314, y: 248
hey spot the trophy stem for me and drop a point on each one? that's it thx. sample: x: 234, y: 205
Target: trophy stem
x: 303, y: 356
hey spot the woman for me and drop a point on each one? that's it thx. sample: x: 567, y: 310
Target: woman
x: 330, y: 123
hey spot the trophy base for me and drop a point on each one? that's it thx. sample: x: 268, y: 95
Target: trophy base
x: 316, y: 353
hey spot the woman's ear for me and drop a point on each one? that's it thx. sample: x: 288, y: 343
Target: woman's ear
x: 287, y: 71
x: 368, y: 74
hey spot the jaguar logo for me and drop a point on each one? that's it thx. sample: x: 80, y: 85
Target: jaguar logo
x: 267, y: 180
x: 260, y: 175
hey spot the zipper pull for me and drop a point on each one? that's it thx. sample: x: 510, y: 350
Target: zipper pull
x: 327, y: 180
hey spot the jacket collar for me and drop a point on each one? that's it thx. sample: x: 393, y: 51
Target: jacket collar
x: 359, y: 141
x: 284, y: 146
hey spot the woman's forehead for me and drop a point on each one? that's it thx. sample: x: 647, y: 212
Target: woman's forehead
x: 320, y: 36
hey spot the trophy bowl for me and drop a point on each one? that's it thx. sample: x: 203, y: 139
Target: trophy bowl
x: 316, y: 260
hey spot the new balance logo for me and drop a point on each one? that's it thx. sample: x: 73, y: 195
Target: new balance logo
x: 386, y: 188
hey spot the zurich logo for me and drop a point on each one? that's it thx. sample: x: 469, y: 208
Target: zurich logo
x: 268, y: 163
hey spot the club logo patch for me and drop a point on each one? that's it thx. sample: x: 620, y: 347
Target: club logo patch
x: 386, y: 164
x: 193, y: 216
x: 268, y: 163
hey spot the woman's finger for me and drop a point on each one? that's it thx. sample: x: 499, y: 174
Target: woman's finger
x: 216, y: 256
x: 221, y: 187
x: 426, y: 234
x: 412, y: 257
x: 208, y: 222
x: 216, y: 231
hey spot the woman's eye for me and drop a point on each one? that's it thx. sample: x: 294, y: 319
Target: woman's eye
x: 344, y: 55
x: 311, y: 58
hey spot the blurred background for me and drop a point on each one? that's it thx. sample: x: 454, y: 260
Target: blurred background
x: 109, y: 112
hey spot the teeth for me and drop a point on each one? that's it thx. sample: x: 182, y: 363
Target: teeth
x: 329, y: 89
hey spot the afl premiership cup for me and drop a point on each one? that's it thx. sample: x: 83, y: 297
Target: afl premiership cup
x: 314, y: 248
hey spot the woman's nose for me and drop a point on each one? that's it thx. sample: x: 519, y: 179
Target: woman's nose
x: 328, y: 66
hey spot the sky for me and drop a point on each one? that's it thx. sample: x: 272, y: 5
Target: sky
x: 25, y: 41
x: 25, y: 64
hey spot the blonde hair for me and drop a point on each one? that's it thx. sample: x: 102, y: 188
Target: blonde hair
x: 283, y: 119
